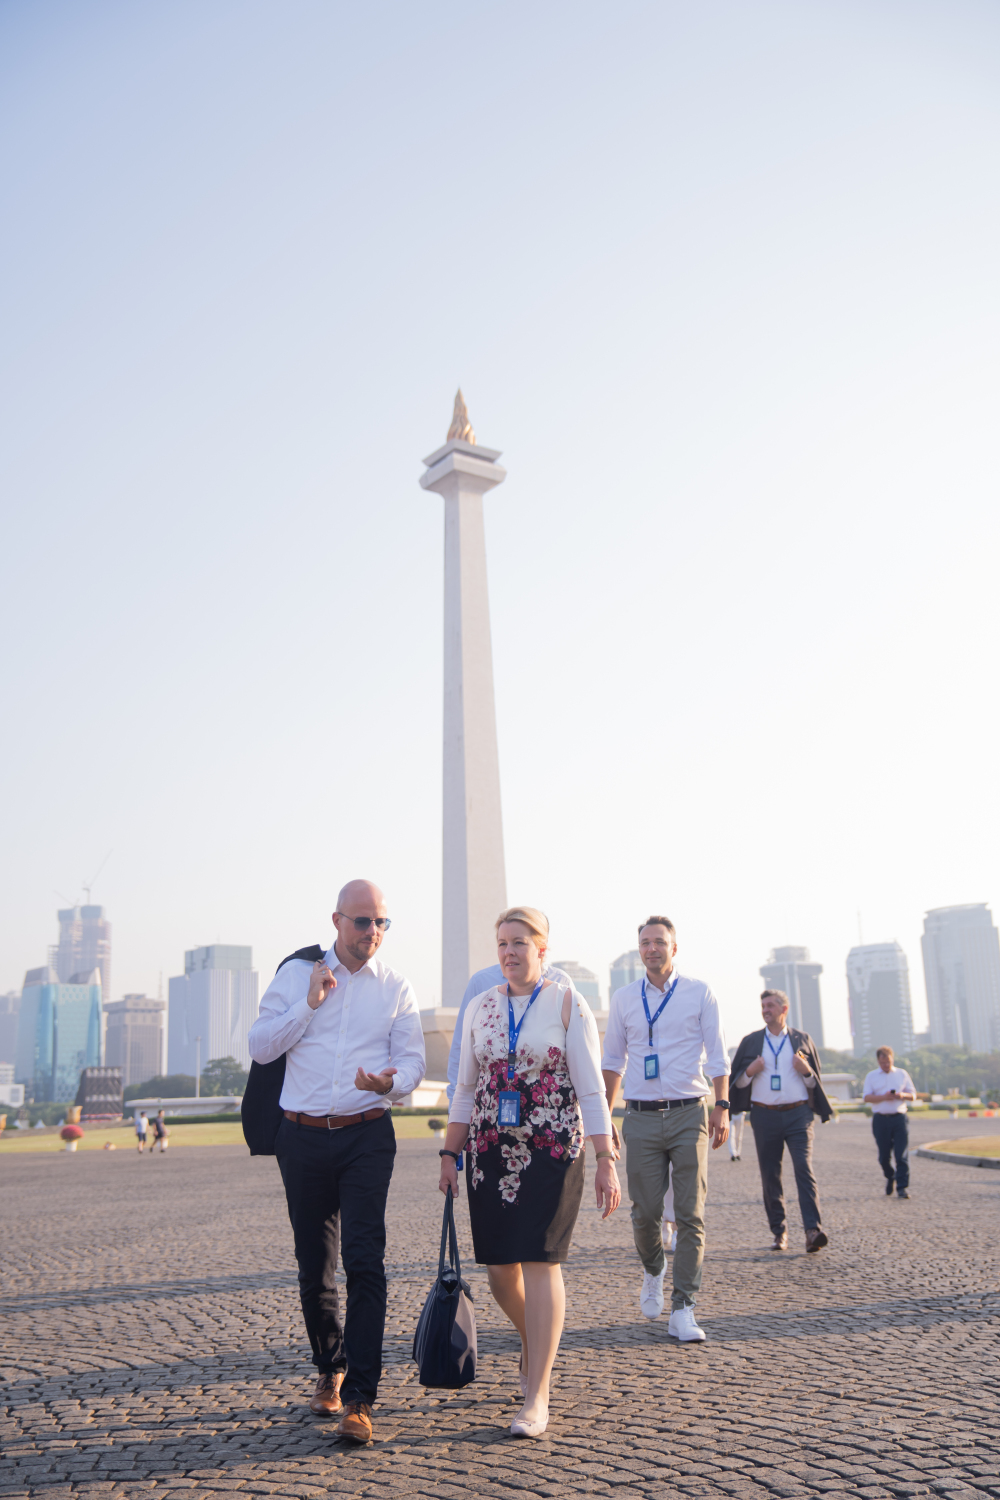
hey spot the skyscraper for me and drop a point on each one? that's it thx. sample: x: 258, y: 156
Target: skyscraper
x: 136, y: 1038
x: 84, y: 944
x: 59, y: 1033
x: 214, y: 999
x: 961, y: 952
x: 878, y: 995
x: 10, y: 1007
x: 583, y: 980
x: 625, y: 969
x: 790, y: 970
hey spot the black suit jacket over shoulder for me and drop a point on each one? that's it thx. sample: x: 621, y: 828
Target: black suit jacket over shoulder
x: 752, y: 1047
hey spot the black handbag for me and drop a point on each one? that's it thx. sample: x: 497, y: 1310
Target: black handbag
x: 260, y: 1111
x: 444, y: 1345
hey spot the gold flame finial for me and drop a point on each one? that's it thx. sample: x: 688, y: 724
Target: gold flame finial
x: 461, y: 427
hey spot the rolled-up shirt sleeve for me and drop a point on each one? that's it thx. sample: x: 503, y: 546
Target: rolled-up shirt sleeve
x: 713, y: 1037
x: 281, y: 1022
x: 615, y: 1043
x: 406, y: 1046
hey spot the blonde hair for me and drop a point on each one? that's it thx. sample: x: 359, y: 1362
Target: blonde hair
x: 536, y: 922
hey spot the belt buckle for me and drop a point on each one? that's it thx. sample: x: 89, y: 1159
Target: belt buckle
x: 332, y: 1127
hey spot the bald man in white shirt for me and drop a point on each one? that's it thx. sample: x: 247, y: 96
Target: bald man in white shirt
x: 350, y: 1032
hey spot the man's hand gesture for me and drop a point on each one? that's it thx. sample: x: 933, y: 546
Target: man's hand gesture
x: 374, y: 1083
x: 757, y: 1066
x: 321, y: 984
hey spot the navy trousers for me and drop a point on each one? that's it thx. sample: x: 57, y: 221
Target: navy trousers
x: 773, y: 1130
x: 336, y: 1184
x: 892, y: 1135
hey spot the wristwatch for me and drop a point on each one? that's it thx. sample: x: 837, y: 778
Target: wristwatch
x: 722, y: 1104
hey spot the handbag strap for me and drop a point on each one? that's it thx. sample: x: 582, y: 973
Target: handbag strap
x: 449, y: 1238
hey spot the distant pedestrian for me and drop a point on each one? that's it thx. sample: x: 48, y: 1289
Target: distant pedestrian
x: 664, y: 1034
x: 888, y: 1090
x: 529, y: 1092
x: 349, y: 1029
x: 160, y: 1134
x: 141, y: 1130
x: 776, y: 1071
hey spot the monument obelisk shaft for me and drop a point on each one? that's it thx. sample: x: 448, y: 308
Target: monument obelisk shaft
x: 474, y: 889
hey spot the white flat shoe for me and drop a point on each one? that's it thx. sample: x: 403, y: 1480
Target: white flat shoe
x: 520, y: 1428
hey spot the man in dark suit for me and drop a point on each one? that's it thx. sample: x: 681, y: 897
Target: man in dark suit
x: 776, y: 1075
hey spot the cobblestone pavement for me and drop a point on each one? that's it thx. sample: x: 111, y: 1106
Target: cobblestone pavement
x: 152, y: 1345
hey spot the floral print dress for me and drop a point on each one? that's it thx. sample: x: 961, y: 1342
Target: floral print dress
x: 525, y: 1182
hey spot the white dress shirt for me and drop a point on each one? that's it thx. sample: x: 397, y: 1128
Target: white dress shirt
x: 369, y: 1021
x: 877, y: 1082
x: 580, y: 1042
x: 794, y: 1089
x: 686, y: 1036
x: 480, y: 982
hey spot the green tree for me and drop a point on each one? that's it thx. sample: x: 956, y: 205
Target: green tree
x: 223, y: 1075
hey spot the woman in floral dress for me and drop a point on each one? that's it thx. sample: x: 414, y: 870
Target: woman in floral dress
x: 529, y: 1090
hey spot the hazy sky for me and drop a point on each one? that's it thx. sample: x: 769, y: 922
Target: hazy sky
x: 720, y: 279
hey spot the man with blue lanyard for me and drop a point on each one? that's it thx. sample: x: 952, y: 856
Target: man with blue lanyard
x: 664, y: 1034
x: 776, y: 1073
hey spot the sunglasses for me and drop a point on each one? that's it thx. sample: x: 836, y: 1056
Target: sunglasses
x: 362, y: 924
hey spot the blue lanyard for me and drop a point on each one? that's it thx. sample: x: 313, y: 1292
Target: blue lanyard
x: 513, y: 1032
x: 663, y: 1005
x: 775, y: 1051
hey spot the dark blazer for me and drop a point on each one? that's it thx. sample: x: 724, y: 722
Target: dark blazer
x: 261, y: 1109
x: 752, y: 1047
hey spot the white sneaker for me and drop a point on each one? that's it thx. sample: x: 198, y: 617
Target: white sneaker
x: 683, y: 1326
x: 651, y: 1296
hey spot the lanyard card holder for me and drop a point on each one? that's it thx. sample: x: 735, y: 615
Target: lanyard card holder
x: 652, y: 1065
x: 510, y: 1109
x: 775, y: 1083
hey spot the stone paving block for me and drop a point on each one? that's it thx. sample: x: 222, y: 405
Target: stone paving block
x: 196, y: 1381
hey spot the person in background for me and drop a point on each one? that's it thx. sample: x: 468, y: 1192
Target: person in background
x: 160, y: 1133
x: 481, y: 981
x: 776, y: 1072
x: 669, y: 1224
x: 661, y: 1030
x: 736, y: 1124
x: 141, y: 1130
x: 888, y: 1090
x: 529, y: 1093
x: 349, y: 1029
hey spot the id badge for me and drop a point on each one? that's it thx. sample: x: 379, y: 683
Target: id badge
x: 775, y: 1082
x: 652, y: 1065
x: 510, y: 1108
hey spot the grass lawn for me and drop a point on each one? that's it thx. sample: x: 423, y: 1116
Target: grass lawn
x: 221, y: 1133
x: 969, y: 1145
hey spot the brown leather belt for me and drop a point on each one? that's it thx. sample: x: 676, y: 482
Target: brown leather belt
x: 797, y: 1105
x: 332, y: 1122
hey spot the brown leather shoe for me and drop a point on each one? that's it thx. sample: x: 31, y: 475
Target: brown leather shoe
x: 356, y: 1423
x: 326, y: 1400
x: 815, y: 1240
x: 780, y: 1241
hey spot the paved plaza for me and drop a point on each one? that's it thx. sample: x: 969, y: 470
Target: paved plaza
x: 152, y: 1343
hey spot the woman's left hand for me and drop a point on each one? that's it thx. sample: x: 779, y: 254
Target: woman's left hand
x: 607, y: 1187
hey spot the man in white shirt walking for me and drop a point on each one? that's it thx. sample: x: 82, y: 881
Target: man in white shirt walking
x: 661, y: 1031
x: 350, y: 1032
x: 888, y: 1089
x: 776, y: 1072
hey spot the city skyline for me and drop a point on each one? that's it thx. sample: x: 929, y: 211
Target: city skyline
x: 727, y: 300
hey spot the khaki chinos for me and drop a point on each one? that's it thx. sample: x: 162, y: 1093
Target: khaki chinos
x: 675, y: 1142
